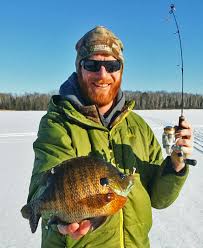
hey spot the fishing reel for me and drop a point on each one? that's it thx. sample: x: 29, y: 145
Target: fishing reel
x: 168, y: 141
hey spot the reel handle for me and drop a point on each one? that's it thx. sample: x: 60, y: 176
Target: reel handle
x: 192, y: 162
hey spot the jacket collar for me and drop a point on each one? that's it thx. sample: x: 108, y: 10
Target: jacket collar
x: 87, y: 115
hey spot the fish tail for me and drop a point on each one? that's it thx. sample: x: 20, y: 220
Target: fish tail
x: 29, y: 212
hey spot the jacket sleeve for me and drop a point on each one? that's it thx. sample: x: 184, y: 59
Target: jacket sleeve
x: 165, y: 184
x: 52, y: 146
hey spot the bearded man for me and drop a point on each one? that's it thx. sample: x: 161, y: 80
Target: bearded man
x: 91, y: 116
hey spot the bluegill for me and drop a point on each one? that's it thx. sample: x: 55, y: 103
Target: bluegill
x: 77, y: 189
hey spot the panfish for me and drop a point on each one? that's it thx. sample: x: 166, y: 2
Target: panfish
x: 79, y: 188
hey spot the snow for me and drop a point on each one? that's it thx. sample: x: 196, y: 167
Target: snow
x: 181, y: 224
x: 178, y: 226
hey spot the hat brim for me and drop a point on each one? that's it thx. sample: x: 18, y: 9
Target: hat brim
x: 102, y: 52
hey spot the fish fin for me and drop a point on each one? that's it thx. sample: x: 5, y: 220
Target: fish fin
x: 29, y: 212
x: 34, y: 219
x: 97, y: 221
x: 98, y: 200
x: 45, y: 178
x: 26, y: 211
x: 56, y: 220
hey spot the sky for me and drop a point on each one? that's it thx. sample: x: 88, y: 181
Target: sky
x: 37, y: 42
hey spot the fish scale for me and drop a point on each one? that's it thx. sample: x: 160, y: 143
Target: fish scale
x: 75, y: 192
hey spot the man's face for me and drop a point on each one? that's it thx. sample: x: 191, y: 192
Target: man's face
x: 101, y: 88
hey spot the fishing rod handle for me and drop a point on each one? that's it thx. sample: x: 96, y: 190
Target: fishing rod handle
x: 192, y: 162
x: 181, y: 119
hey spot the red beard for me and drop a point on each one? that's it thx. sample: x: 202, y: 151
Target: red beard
x: 99, y: 97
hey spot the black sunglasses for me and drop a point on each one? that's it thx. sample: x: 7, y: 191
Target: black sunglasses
x: 95, y: 65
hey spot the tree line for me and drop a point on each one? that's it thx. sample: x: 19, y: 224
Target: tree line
x: 143, y: 100
x: 165, y: 100
x: 27, y: 101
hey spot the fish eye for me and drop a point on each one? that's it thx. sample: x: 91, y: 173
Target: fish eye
x: 104, y: 181
x: 122, y: 176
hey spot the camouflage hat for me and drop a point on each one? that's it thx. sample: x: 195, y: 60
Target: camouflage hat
x: 96, y: 41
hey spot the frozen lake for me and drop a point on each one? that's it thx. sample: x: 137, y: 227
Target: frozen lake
x: 178, y: 226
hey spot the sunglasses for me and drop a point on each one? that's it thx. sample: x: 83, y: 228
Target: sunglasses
x: 95, y: 65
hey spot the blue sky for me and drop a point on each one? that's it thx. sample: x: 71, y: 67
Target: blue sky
x: 37, y: 42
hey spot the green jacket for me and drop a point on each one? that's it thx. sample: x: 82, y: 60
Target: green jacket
x: 129, y: 143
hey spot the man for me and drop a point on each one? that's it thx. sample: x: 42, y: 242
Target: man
x: 90, y: 116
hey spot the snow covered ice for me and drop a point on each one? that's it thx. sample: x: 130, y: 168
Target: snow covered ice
x: 178, y: 226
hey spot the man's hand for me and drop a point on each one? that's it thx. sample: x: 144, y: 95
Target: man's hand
x: 75, y: 230
x: 184, y: 139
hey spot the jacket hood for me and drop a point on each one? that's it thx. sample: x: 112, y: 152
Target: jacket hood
x: 86, y: 115
x: 71, y: 91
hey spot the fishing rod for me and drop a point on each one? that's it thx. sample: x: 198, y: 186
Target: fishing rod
x: 172, y: 10
x: 168, y: 137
